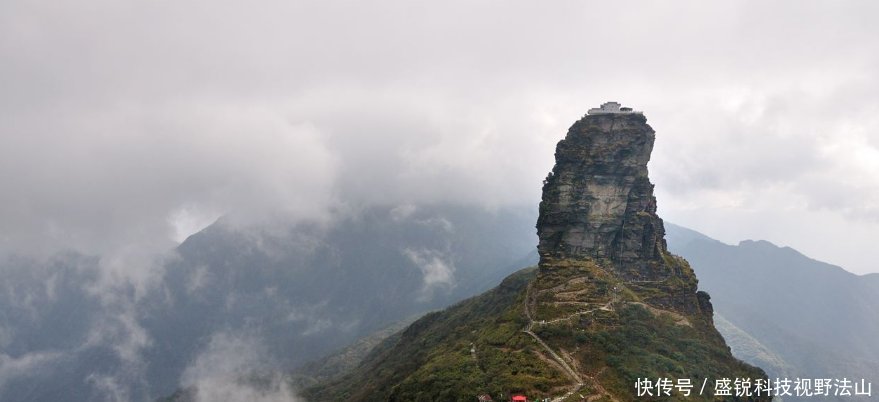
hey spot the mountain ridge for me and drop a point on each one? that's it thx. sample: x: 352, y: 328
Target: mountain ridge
x: 816, y: 316
x: 288, y: 293
x: 608, y: 304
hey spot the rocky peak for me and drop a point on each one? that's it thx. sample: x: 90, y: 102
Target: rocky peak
x: 608, y: 304
x: 598, y: 202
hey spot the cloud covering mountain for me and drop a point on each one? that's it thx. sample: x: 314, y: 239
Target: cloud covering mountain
x: 124, y: 124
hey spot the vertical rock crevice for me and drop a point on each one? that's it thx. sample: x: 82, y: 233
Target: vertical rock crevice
x: 598, y: 201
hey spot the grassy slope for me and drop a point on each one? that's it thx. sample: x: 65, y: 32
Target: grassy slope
x: 432, y: 360
x: 609, y: 348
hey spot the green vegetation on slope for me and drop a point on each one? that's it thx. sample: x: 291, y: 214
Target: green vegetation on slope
x: 474, y: 347
x: 478, y: 346
x: 751, y: 350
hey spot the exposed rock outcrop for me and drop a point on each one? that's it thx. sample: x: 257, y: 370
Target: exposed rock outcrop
x: 598, y: 202
x: 598, y: 205
x: 608, y: 305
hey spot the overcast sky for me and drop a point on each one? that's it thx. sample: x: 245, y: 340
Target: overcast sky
x: 137, y: 122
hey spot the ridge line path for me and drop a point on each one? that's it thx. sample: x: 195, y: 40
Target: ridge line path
x: 577, y: 381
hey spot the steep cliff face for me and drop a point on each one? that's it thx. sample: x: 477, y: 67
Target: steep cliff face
x: 598, y: 205
x: 598, y: 202
x: 605, y: 273
x: 608, y: 304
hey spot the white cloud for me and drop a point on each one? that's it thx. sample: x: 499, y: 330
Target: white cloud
x: 402, y: 212
x: 110, y: 387
x: 111, y: 140
x: 437, y: 269
x: 29, y: 364
x: 232, y: 368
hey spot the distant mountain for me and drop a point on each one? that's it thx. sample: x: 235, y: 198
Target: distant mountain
x: 269, y: 299
x: 312, y: 290
x: 52, y: 329
x: 727, y: 273
x: 795, y: 316
x: 606, y: 306
x: 746, y: 347
x: 264, y: 298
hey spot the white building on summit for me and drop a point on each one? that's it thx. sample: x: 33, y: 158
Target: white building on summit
x: 611, y: 108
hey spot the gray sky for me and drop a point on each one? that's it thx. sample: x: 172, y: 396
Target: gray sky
x: 131, y: 123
